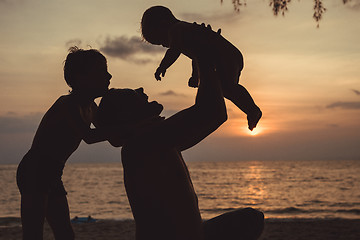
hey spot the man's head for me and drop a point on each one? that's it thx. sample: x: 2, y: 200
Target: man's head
x: 126, y: 106
x: 86, y: 71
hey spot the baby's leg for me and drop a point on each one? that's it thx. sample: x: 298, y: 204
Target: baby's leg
x: 241, y: 98
x: 194, y: 79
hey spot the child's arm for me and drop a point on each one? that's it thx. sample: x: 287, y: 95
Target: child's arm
x: 80, y: 125
x: 115, y: 135
x: 119, y: 134
x: 170, y: 57
x: 100, y: 134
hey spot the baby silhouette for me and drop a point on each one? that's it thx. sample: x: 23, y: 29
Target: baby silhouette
x: 160, y: 27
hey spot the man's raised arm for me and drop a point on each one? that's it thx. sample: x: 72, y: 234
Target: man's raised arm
x: 189, y: 126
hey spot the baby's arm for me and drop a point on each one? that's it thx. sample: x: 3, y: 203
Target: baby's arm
x: 170, y: 57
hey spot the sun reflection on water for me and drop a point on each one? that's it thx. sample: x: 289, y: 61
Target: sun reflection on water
x: 254, y: 177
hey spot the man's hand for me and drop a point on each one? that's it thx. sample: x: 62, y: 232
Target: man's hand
x: 159, y: 71
x: 208, y: 27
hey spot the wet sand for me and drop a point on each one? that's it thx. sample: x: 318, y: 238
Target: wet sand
x: 10, y: 228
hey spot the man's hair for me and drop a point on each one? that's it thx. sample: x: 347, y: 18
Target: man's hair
x: 117, y: 107
x: 125, y: 107
x: 155, y: 21
x: 80, y: 61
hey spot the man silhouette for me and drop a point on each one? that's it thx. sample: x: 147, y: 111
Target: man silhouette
x: 157, y: 181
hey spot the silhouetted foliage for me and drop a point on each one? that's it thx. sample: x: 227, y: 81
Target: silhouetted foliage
x: 237, y: 4
x: 319, y: 9
x: 281, y: 6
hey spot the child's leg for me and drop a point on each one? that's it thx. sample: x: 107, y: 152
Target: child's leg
x: 58, y: 217
x: 33, y: 208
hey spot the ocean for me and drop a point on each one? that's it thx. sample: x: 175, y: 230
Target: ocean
x: 281, y: 189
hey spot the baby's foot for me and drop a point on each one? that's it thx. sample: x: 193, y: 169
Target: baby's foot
x: 253, y: 118
x: 193, y: 82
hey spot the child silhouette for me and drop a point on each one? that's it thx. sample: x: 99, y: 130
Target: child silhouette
x: 59, y: 134
x: 160, y: 27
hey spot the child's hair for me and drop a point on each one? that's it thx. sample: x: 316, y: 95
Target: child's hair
x: 155, y: 22
x: 80, y: 61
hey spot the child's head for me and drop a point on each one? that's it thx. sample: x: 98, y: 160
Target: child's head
x: 155, y: 24
x: 86, y: 71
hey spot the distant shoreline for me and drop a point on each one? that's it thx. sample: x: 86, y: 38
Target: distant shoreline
x: 295, y: 229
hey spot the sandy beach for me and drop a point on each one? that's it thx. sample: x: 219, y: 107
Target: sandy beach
x: 10, y: 229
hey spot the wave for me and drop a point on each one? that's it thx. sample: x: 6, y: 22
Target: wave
x: 345, y: 204
x: 219, y: 210
x: 354, y: 211
x: 294, y: 210
x: 287, y: 210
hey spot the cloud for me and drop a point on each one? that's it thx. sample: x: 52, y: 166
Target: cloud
x: 356, y: 91
x: 353, y: 4
x: 132, y: 49
x: 5, y: 1
x: 12, y: 123
x: 332, y: 125
x: 16, y: 134
x: 10, y: 2
x: 171, y: 93
x: 344, y: 105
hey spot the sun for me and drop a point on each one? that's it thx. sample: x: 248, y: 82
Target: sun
x: 241, y: 129
x: 256, y: 131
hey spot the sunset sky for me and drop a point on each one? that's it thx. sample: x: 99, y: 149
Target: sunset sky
x: 305, y: 79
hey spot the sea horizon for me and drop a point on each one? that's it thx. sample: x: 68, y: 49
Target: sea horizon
x: 282, y: 190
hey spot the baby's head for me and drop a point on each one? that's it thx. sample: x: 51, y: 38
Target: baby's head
x: 86, y: 70
x: 155, y: 24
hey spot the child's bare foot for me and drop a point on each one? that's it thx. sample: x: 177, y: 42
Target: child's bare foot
x: 253, y: 118
x: 193, y: 82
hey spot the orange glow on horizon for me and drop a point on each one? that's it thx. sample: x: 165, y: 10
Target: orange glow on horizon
x: 256, y: 131
x: 240, y: 128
